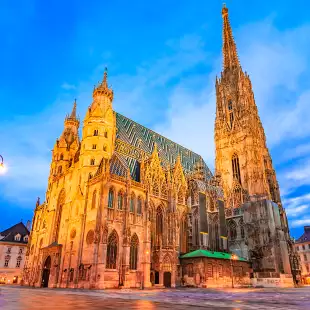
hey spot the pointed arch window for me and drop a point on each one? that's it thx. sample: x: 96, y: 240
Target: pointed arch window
x: 120, y: 200
x: 60, y: 169
x: 139, y: 206
x: 92, y: 162
x: 132, y: 203
x: 159, y: 221
x: 61, y: 156
x: 134, y: 245
x: 93, y: 203
x: 232, y: 230
x: 159, y: 225
x: 242, y: 233
x: 236, y: 168
x: 112, y: 250
x: 96, y: 132
x: 111, y: 199
x: 230, y: 113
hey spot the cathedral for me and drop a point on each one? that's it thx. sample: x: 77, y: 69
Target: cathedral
x: 127, y: 207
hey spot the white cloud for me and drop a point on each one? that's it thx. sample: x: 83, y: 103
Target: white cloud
x: 67, y: 86
x: 300, y: 223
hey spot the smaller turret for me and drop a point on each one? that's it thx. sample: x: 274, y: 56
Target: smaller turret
x: 66, y: 146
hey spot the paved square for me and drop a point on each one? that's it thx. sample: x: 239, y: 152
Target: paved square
x: 13, y: 298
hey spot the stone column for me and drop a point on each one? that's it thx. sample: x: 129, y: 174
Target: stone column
x: 173, y: 277
x: 101, y: 266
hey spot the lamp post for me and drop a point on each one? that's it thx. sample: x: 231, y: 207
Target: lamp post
x: 232, y: 258
x: 1, y: 164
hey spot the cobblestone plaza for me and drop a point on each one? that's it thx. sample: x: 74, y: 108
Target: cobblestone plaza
x: 15, y: 298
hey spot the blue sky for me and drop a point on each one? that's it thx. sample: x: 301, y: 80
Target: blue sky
x: 163, y: 57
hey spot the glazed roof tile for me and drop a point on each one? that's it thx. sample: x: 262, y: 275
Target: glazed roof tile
x: 144, y: 139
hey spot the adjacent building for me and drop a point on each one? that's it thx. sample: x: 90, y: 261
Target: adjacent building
x: 302, y: 246
x: 127, y: 207
x: 13, y: 246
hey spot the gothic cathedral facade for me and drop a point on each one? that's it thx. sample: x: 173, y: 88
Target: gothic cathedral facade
x: 123, y: 203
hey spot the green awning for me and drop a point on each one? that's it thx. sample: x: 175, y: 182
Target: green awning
x: 211, y: 254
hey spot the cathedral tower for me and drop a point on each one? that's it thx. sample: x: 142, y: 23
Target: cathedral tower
x: 99, y: 128
x: 66, y: 146
x: 242, y: 157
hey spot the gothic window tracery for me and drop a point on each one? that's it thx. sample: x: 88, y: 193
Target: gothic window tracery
x: 139, y: 206
x: 93, y: 203
x: 232, y: 228
x: 167, y: 266
x: 120, y: 200
x: 61, y: 200
x: 230, y: 113
x: 132, y: 203
x: 159, y: 224
x: 111, y: 199
x: 236, y: 168
x: 112, y: 250
x: 134, y: 245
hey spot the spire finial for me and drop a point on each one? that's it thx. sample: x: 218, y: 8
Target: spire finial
x: 230, y: 55
x: 105, y: 77
x: 73, y: 113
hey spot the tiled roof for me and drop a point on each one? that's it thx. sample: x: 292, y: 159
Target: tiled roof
x: 305, y: 237
x: 10, y: 233
x: 210, y: 254
x: 144, y: 139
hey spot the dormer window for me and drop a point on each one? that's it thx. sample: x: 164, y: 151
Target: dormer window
x: 96, y: 132
x: 26, y: 238
x: 17, y: 237
x: 230, y: 113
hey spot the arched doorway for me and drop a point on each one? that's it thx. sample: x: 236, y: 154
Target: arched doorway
x: 46, y: 272
x: 156, y: 277
x: 167, y: 279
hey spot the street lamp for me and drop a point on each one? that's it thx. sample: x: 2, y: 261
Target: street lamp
x: 232, y: 258
x: 2, y: 167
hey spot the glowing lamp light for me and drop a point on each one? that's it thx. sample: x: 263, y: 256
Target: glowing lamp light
x: 2, y: 167
x: 147, y: 252
x: 234, y: 256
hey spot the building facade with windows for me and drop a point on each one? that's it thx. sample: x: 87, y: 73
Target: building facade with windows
x: 123, y: 203
x: 302, y: 246
x: 13, y: 246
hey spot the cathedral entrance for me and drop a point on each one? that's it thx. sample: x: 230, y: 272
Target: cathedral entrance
x: 156, y: 277
x: 167, y: 279
x: 46, y: 272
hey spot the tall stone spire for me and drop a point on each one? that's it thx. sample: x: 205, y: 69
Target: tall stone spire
x: 73, y: 113
x: 242, y: 157
x: 230, y: 55
x: 72, y: 119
